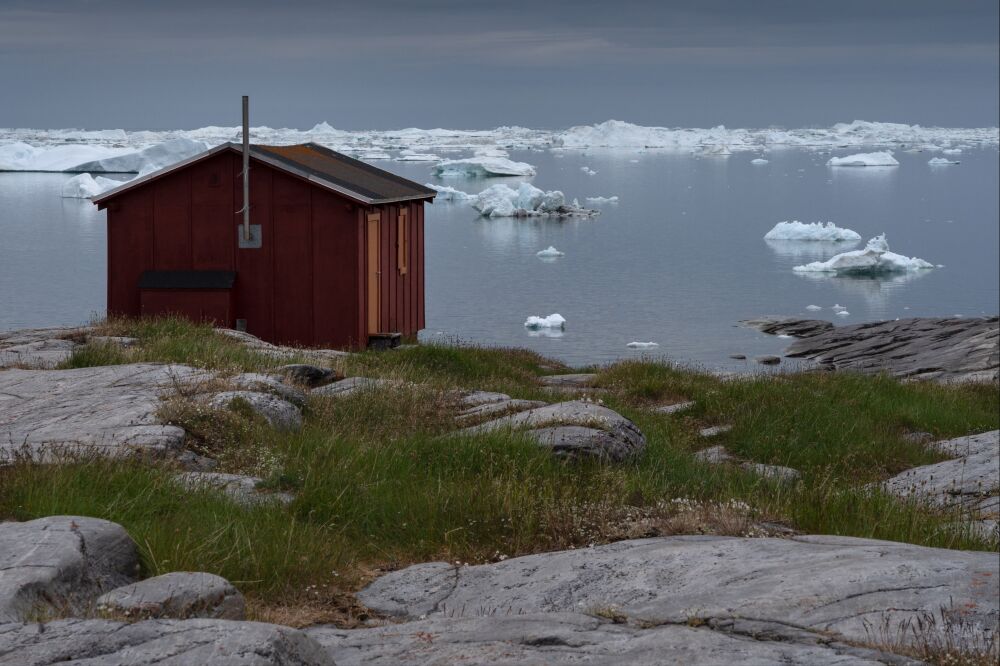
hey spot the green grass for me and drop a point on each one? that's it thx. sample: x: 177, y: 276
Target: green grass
x: 378, y: 486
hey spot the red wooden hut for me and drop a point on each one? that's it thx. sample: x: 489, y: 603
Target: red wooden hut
x: 335, y: 257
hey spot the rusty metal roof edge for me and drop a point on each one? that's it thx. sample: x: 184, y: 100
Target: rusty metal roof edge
x: 128, y: 184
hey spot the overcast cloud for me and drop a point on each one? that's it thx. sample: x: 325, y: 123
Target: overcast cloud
x: 471, y: 64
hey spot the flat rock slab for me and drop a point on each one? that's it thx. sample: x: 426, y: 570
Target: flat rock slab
x: 714, y: 455
x: 494, y: 408
x: 577, y: 380
x: 942, y: 349
x: 575, y: 638
x: 61, y: 563
x: 179, y: 595
x: 575, y: 428
x: 821, y: 583
x: 970, y: 481
x: 348, y: 386
x: 244, y: 490
x: 161, y: 642
x: 279, y: 352
x: 38, y: 347
x: 674, y: 408
x: 110, y: 411
x: 714, y: 431
x: 258, y: 381
x: 278, y: 412
x: 478, y: 398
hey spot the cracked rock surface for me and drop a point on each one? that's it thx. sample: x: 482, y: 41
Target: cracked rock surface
x: 108, y: 410
x: 840, y: 585
x: 37, y: 347
x: 241, y: 489
x: 278, y: 412
x: 163, y: 642
x: 59, y: 564
x: 179, y: 594
x: 942, y: 349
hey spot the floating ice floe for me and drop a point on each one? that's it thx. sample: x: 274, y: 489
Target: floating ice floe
x: 481, y: 167
x: 843, y: 313
x: 85, y: 186
x: 813, y: 308
x: 587, y: 170
x: 811, y: 231
x: 941, y: 161
x: 952, y: 151
x: 880, y: 159
x: 550, y: 251
x: 146, y: 160
x: 875, y: 259
x: 526, y: 201
x: 837, y: 307
x: 446, y: 193
x: 597, y: 201
x: 643, y: 345
x: 760, y: 161
x: 554, y: 320
x: 410, y: 156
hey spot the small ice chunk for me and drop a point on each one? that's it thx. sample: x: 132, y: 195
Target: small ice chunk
x: 550, y: 251
x: 481, y: 167
x: 837, y: 307
x: 875, y: 259
x: 446, y: 193
x: 883, y: 158
x: 526, y: 201
x: 412, y: 156
x: 643, y: 345
x: 811, y: 231
x: 813, y: 308
x: 587, y: 170
x: 759, y: 160
x: 601, y: 200
x: 554, y: 320
x: 843, y: 313
x: 941, y: 161
x: 952, y: 151
x: 85, y: 186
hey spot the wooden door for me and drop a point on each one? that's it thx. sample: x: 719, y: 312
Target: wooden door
x: 374, y: 273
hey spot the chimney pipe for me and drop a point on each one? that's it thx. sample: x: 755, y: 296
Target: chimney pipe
x: 246, y: 168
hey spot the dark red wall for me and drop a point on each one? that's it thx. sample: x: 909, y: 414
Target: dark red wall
x: 305, y: 285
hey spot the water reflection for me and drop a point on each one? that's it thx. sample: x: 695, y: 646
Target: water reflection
x: 876, y: 292
x: 806, y: 251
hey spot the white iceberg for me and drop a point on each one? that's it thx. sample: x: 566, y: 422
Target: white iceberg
x: 587, y: 170
x: 843, y: 313
x: 20, y: 156
x: 411, y: 156
x: 597, y: 201
x: 880, y: 159
x: 526, y: 201
x: 941, y: 161
x: 813, y: 308
x: 481, y: 167
x: 837, y: 307
x: 759, y: 160
x: 550, y: 251
x: 146, y: 160
x: 85, y: 186
x: 643, y: 345
x: 875, y: 259
x: 952, y: 151
x: 446, y: 193
x: 811, y: 231
x: 554, y: 320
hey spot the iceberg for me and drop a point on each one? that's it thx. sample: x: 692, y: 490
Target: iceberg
x: 941, y: 161
x: 597, y: 201
x: 550, y: 251
x: 811, y: 231
x: 587, y: 170
x: 880, y: 159
x: 837, y: 307
x: 643, y: 345
x: 445, y: 193
x: 813, y: 308
x: 554, y: 320
x: 481, y: 167
x: 411, y: 156
x: 952, y: 151
x: 20, y: 156
x: 843, y: 313
x: 146, y: 160
x: 875, y: 259
x: 526, y: 201
x: 759, y: 161
x: 85, y: 186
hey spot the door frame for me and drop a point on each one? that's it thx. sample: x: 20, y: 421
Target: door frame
x: 373, y: 277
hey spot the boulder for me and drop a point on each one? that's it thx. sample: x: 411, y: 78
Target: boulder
x: 767, y: 359
x: 258, y: 381
x: 281, y: 414
x: 477, y: 398
x: 576, y: 638
x: 494, y: 408
x: 310, y: 376
x: 60, y: 564
x: 714, y: 431
x: 48, y: 415
x: 241, y: 489
x: 164, y: 642
x: 180, y: 595
x: 575, y: 428
x: 839, y: 586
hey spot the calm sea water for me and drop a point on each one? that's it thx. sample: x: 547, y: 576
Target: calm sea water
x: 679, y: 261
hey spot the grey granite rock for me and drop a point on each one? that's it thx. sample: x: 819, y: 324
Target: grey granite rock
x: 575, y: 428
x: 942, y: 349
x: 714, y: 431
x: 348, y: 386
x: 478, y: 398
x: 674, y: 408
x: 241, y: 489
x: 47, y: 415
x: 39, y: 347
x: 773, y: 472
x: 307, y: 375
x: 258, y: 381
x: 179, y: 595
x: 714, y: 455
x: 279, y: 352
x: 575, y: 638
x: 576, y: 380
x: 199, y: 642
x: 280, y: 413
x: 117, y: 340
x: 841, y: 585
x: 767, y: 359
x: 60, y: 564
x: 493, y: 408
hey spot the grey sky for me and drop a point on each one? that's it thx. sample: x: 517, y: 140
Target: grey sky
x: 474, y: 64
